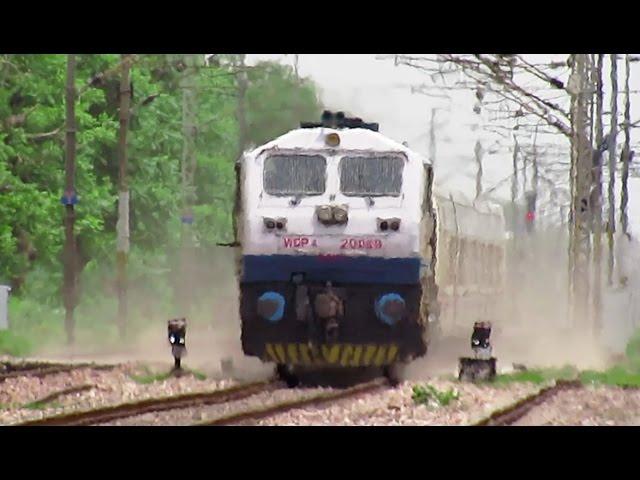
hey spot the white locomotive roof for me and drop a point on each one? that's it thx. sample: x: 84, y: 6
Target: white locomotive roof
x: 350, y: 139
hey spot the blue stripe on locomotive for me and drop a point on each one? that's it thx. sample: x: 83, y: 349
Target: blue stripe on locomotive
x: 338, y: 269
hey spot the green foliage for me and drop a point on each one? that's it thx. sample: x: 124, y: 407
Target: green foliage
x: 618, y: 375
x: 148, y: 378
x: 633, y: 351
x: 14, y: 344
x: 32, y: 153
x: 42, y: 405
x: 627, y: 373
x: 429, y: 395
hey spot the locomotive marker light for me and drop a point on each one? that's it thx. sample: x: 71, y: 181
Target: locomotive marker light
x: 271, y: 224
x: 385, y: 224
x: 177, y: 340
x: 482, y: 366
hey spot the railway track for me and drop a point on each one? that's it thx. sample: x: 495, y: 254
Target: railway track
x: 125, y: 410
x: 38, y: 369
x: 514, y: 412
x: 254, y: 414
x: 180, y: 402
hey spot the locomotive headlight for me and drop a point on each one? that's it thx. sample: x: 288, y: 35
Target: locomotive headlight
x: 340, y: 214
x: 332, y: 140
x: 395, y: 224
x: 324, y: 213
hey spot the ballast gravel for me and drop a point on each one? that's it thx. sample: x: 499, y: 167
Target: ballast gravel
x: 109, y: 387
x: 395, y: 407
x: 589, y: 406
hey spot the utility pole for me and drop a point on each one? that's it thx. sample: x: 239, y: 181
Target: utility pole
x: 514, y: 179
x: 122, y: 227
x: 532, y: 195
x: 611, y: 224
x: 69, y: 200
x: 478, y: 146
x: 242, y: 83
x: 432, y: 139
x: 579, y: 89
x: 478, y: 157
x: 188, y: 85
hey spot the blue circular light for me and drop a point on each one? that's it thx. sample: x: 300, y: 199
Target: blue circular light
x: 382, y: 302
x: 275, y: 299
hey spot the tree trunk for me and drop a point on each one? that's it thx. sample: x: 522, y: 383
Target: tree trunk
x: 580, y: 201
x: 611, y: 223
x: 123, y: 196
x: 70, y: 270
x: 626, y: 152
x: 597, y: 200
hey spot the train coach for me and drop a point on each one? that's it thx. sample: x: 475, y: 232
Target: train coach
x: 337, y: 234
x: 471, y: 267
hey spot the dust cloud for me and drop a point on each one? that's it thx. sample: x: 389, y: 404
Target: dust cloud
x: 210, y: 305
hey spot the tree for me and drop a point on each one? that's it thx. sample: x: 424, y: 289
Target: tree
x: 613, y: 133
x: 32, y: 149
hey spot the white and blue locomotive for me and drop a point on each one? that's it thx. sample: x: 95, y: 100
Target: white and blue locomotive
x: 337, y: 235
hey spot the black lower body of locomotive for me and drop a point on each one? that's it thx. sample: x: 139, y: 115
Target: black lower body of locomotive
x: 356, y: 338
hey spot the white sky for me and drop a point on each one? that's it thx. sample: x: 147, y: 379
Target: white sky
x: 378, y: 91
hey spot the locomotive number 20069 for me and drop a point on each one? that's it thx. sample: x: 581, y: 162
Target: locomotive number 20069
x: 361, y: 244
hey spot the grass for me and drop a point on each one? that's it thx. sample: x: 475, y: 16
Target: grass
x: 429, y: 395
x: 199, y: 375
x: 15, y: 344
x: 147, y: 376
x: 619, y: 375
x: 537, y: 376
x: 42, y: 405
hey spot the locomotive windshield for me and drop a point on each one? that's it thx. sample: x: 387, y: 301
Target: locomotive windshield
x: 379, y: 175
x: 286, y: 175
